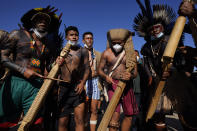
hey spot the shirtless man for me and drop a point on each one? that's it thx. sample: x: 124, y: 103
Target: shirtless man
x: 74, y: 69
x: 188, y: 9
x: 92, y: 85
x: 108, y: 59
x: 3, y: 40
x: 31, y: 52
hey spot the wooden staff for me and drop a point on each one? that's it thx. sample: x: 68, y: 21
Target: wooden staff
x: 167, y: 60
x: 112, y: 106
x: 40, y: 98
x: 118, y: 92
x: 55, y: 79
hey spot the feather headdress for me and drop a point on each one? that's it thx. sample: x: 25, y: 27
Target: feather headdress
x: 162, y: 14
x: 55, y: 20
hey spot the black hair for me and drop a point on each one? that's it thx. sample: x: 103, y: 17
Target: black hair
x: 137, y: 51
x: 87, y: 33
x: 71, y: 28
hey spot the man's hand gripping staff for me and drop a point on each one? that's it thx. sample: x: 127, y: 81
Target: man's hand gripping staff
x: 39, y: 100
x: 167, y: 61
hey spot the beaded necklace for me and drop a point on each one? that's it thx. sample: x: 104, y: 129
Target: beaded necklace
x: 35, y: 60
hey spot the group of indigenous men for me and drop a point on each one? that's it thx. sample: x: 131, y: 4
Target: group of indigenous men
x: 28, y: 55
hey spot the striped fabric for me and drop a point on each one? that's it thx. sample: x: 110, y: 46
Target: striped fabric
x: 92, y: 90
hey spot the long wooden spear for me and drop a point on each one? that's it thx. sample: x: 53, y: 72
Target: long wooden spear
x: 167, y: 60
x: 40, y: 98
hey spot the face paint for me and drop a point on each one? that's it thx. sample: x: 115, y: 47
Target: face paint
x: 117, y: 48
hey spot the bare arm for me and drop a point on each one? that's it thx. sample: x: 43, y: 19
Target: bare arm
x: 8, y: 48
x: 103, y: 62
x: 102, y: 65
x: 188, y: 9
x: 134, y: 73
x: 3, y: 38
x: 80, y: 86
x: 146, y: 69
x: 145, y: 66
x: 87, y: 66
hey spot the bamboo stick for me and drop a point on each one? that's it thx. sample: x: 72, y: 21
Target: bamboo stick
x: 167, y: 59
x: 130, y: 64
x: 112, y: 106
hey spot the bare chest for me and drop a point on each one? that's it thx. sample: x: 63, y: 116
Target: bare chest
x: 27, y: 48
x: 112, y: 60
x: 73, y: 59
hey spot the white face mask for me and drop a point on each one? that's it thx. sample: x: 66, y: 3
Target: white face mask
x: 138, y: 58
x: 86, y: 46
x: 73, y: 43
x: 117, y: 48
x: 158, y: 36
x: 39, y: 34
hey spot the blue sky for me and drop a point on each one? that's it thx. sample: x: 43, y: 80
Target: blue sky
x: 97, y: 16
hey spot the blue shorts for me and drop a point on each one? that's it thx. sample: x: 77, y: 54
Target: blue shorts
x: 92, y: 90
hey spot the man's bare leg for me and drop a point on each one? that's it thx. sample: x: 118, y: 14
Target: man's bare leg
x: 160, y: 123
x: 87, y: 104
x: 126, y: 124
x: 79, y: 117
x: 114, y: 121
x: 93, y: 117
x: 99, y: 104
x: 63, y: 123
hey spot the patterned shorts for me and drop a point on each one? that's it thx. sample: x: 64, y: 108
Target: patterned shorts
x: 92, y: 90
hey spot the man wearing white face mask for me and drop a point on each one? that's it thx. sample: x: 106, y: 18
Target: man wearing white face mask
x: 155, y: 24
x: 119, y: 42
x: 33, y: 47
x: 93, y: 83
x: 75, y: 70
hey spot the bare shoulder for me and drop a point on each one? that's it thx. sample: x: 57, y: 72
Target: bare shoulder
x: 15, y: 34
x: 3, y: 37
x: 3, y: 34
x: 106, y: 53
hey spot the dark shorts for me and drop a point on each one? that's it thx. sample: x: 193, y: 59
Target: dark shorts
x: 68, y: 99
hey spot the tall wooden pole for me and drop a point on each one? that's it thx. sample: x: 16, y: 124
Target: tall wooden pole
x: 112, y: 106
x: 129, y: 52
x: 167, y: 59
